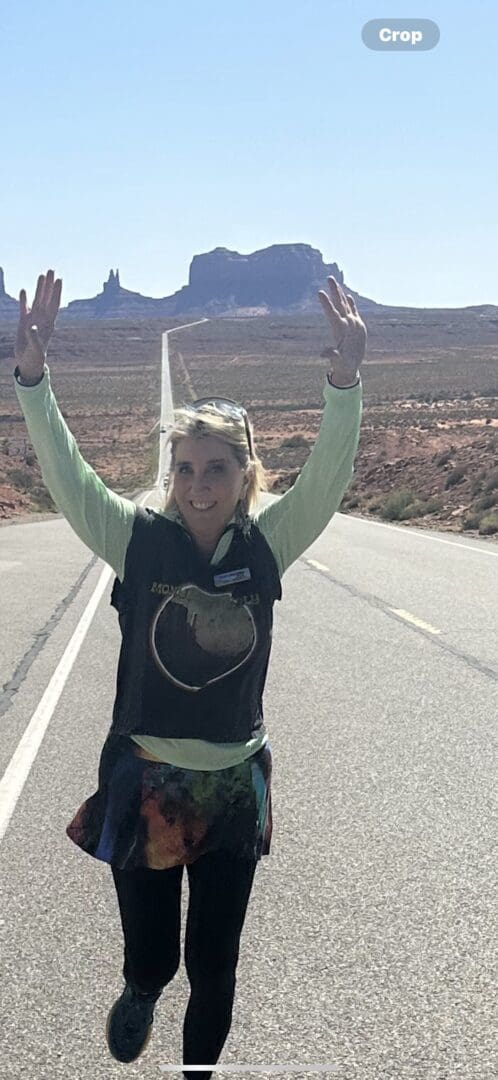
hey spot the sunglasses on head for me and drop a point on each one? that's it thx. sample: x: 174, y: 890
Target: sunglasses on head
x: 231, y: 408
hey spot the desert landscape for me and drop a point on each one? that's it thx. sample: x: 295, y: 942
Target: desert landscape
x: 428, y: 452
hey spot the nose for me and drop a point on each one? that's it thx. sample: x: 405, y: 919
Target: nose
x: 199, y: 486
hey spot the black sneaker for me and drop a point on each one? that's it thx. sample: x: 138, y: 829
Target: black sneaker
x: 129, y: 1024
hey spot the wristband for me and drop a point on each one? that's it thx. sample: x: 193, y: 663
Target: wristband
x: 350, y: 387
x: 18, y: 378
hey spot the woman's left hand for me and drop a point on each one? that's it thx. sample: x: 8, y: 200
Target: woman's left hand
x: 349, y: 333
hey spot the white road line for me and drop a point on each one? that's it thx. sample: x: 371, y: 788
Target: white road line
x: 422, y: 533
x: 19, y: 767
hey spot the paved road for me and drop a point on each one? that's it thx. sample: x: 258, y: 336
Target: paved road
x: 371, y: 936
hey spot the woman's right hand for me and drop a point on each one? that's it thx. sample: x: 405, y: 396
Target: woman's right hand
x: 349, y: 333
x: 36, y: 326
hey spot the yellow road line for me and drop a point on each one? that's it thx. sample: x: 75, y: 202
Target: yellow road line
x: 396, y: 611
x: 416, y: 622
x: 319, y: 565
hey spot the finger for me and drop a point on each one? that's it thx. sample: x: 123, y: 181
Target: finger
x: 22, y: 303
x: 335, y: 320
x: 344, y: 299
x: 39, y: 290
x: 332, y: 314
x: 338, y: 296
x: 47, y: 290
x: 55, y: 299
x: 353, y: 305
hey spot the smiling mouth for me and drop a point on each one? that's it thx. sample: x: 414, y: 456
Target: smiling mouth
x: 202, y: 506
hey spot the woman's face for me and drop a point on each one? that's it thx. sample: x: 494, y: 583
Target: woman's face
x: 207, y: 485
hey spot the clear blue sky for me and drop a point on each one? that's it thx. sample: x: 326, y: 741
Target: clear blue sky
x: 136, y: 135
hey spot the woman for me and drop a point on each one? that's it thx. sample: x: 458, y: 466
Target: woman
x: 185, y: 769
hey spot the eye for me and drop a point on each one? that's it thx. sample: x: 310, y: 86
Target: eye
x: 217, y: 468
x: 180, y: 468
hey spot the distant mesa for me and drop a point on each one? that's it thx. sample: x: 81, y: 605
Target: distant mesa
x: 9, y: 308
x: 279, y: 280
x: 282, y: 279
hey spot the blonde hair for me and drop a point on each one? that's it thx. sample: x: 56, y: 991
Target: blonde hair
x: 208, y: 420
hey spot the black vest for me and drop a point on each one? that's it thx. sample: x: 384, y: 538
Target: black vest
x: 196, y: 637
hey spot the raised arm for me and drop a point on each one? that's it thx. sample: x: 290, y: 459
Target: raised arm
x: 101, y: 518
x: 294, y: 522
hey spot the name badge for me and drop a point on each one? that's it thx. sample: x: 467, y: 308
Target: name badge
x: 232, y: 576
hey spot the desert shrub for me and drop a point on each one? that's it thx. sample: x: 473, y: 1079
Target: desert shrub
x: 294, y: 440
x: 22, y: 478
x: 396, y: 504
x: 492, y: 482
x: 486, y: 501
x: 403, y: 505
x: 435, y: 503
x: 42, y: 499
x: 418, y: 508
x: 375, y: 504
x: 484, y: 482
x: 442, y: 459
x: 471, y: 521
x: 488, y: 525
x: 454, y: 476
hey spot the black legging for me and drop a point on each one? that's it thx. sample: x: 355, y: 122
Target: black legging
x: 150, y: 905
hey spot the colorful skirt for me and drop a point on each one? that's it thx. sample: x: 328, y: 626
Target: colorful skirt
x: 156, y: 815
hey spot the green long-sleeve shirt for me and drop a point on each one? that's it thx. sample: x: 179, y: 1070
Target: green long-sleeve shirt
x: 103, y: 520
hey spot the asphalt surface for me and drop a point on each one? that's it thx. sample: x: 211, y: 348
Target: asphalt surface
x: 370, y: 943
